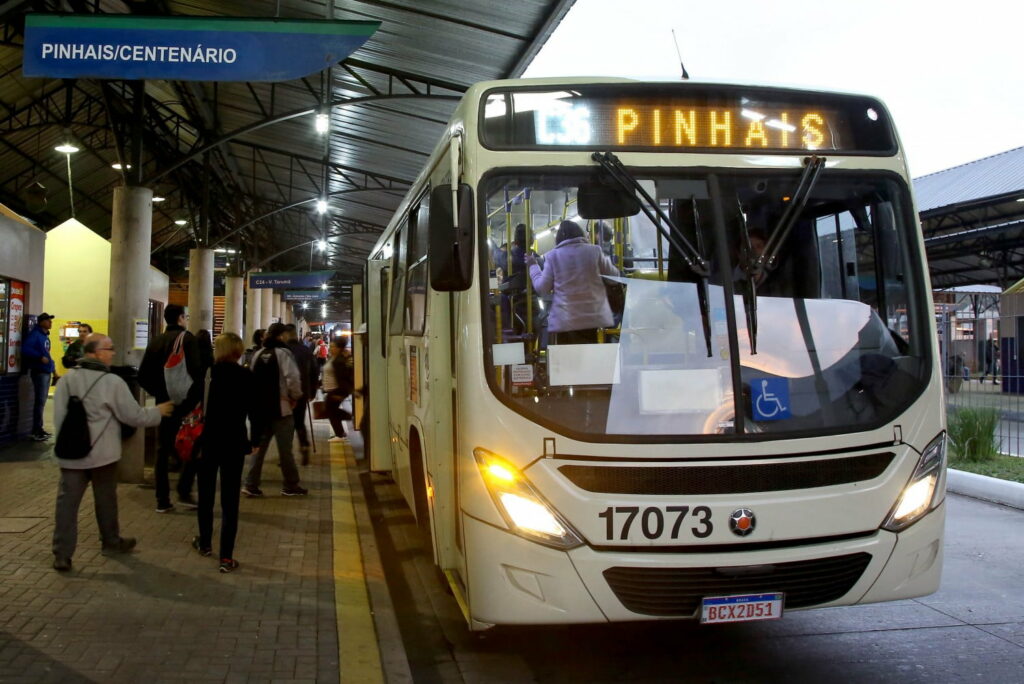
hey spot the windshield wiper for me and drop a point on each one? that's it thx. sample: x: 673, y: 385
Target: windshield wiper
x: 767, y: 259
x: 755, y: 265
x: 753, y: 272
x: 693, y: 256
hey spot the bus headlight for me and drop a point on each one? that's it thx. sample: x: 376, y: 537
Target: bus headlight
x: 522, y: 506
x: 924, y: 490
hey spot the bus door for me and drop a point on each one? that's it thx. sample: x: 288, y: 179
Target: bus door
x: 376, y: 403
x: 397, y: 365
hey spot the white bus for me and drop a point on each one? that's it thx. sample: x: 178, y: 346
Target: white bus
x: 759, y: 429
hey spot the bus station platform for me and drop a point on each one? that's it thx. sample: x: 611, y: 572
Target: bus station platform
x: 307, y: 604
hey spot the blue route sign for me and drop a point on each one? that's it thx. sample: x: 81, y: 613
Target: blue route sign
x: 186, y: 48
x: 289, y: 280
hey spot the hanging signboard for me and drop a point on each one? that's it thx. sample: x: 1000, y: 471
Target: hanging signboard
x: 304, y: 295
x: 286, y: 280
x: 186, y: 48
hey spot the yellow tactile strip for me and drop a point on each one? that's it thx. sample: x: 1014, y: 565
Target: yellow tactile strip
x: 358, y: 654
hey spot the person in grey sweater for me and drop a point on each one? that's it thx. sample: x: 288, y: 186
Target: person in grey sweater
x: 108, y: 403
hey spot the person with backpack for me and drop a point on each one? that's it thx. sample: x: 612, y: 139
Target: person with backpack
x: 277, y: 389
x: 309, y: 374
x: 90, y: 404
x: 257, y: 344
x: 162, y: 362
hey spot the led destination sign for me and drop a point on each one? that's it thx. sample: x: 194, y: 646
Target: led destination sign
x: 712, y: 121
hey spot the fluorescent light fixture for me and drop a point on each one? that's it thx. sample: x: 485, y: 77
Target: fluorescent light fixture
x: 117, y: 166
x: 224, y: 250
x: 321, y: 206
x: 321, y: 245
x: 323, y: 286
x: 66, y: 148
x: 180, y: 222
x: 157, y: 198
x: 751, y: 114
x: 322, y: 123
x: 305, y: 305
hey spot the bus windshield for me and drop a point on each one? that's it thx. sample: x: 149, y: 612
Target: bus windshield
x: 800, y: 320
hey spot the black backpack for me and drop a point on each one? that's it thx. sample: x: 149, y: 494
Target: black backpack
x: 73, y: 440
x: 267, y: 375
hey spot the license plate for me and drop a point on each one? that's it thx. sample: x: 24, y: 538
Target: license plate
x: 741, y: 608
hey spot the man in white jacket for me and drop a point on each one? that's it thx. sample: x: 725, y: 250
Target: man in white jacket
x: 108, y: 403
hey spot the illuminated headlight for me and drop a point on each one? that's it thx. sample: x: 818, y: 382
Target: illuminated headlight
x: 924, y: 491
x: 524, y: 510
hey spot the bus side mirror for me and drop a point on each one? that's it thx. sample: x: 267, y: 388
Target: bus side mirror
x: 597, y: 200
x: 450, y: 249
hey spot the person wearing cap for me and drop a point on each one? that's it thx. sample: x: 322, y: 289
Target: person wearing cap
x: 36, y: 353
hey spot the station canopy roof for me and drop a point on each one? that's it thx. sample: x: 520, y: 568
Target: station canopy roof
x: 973, y: 221
x: 248, y: 151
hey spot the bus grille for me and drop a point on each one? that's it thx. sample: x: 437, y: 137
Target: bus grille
x: 678, y: 591
x: 726, y: 479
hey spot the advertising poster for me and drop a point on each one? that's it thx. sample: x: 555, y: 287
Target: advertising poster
x: 14, y: 325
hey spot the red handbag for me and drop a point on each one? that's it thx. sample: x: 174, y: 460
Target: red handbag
x: 186, y: 442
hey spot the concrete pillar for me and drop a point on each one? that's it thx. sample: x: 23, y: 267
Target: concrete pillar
x: 233, y: 300
x: 131, y: 235
x: 266, y: 307
x: 277, y: 306
x: 253, y: 319
x: 200, y: 290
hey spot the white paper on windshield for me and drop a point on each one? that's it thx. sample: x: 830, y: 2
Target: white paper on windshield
x: 508, y: 353
x: 583, y: 364
x: 680, y: 391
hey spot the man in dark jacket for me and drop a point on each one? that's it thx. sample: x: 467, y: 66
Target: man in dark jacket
x: 151, y: 377
x: 36, y: 353
x: 309, y: 374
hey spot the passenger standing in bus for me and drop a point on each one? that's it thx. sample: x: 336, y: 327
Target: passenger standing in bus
x: 278, y: 388
x: 572, y: 272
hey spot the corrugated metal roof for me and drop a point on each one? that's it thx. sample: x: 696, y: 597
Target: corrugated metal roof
x: 995, y: 176
x: 424, y: 52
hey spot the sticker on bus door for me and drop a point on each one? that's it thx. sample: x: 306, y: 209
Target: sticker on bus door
x: 414, y: 376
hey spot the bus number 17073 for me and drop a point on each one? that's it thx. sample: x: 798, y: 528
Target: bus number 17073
x: 654, y: 521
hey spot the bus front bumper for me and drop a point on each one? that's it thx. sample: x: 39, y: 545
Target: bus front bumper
x: 515, y: 581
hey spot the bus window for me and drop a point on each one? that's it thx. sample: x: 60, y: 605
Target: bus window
x: 416, y: 285
x: 396, y: 327
x: 838, y: 335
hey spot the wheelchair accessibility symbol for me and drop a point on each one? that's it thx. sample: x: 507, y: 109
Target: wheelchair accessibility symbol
x: 770, y: 399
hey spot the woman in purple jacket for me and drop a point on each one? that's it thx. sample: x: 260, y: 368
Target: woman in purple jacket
x: 572, y: 271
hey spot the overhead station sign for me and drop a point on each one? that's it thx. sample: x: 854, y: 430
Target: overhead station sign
x: 286, y: 280
x: 186, y: 48
x: 304, y: 295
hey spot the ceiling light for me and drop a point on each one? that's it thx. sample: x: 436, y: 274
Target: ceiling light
x: 321, y: 206
x: 180, y: 222
x: 305, y: 305
x: 117, y: 166
x: 157, y: 198
x: 66, y: 148
x: 321, y: 245
x: 323, y: 123
x: 323, y: 286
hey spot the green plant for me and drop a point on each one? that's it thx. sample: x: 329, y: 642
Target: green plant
x: 972, y: 434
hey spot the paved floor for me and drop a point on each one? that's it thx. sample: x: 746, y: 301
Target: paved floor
x: 164, y: 613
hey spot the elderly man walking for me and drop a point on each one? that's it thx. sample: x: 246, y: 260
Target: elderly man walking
x: 108, y: 403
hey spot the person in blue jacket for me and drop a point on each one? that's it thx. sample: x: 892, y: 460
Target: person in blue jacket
x: 36, y: 353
